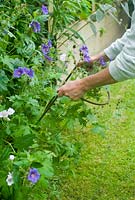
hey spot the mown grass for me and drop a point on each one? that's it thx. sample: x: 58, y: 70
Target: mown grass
x: 107, y: 167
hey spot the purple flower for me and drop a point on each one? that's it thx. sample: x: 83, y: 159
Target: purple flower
x: 48, y: 57
x: 49, y: 43
x: 18, y: 72
x: 84, y: 50
x: 45, y: 49
x: 102, y: 61
x: 44, y: 10
x: 35, y: 26
x: 29, y: 72
x: 87, y: 58
x: 33, y: 175
x: 23, y: 70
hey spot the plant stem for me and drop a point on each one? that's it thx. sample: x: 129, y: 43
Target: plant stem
x: 10, y: 145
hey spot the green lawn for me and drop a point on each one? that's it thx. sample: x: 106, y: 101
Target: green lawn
x: 107, y: 167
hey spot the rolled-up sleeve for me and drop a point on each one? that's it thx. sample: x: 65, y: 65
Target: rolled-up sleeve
x: 123, y: 67
x: 116, y: 47
x: 122, y: 52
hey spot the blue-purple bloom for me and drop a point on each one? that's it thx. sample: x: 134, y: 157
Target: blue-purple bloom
x: 102, y: 61
x: 29, y: 72
x: 23, y: 70
x: 85, y: 52
x: 35, y: 26
x: 48, y: 57
x: 84, y: 49
x: 18, y: 72
x: 86, y: 58
x: 49, y: 43
x: 44, y: 10
x: 33, y: 175
x: 46, y: 49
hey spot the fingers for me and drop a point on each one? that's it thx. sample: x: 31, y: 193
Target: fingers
x: 80, y: 64
x: 60, y: 92
x: 86, y: 65
x: 72, y: 89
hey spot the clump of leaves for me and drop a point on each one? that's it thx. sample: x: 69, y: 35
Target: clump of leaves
x: 30, y: 71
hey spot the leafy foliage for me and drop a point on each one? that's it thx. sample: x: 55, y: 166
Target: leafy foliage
x: 43, y: 145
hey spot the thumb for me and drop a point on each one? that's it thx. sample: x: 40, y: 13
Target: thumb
x: 60, y: 92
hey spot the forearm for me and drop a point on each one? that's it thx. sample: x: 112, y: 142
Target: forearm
x: 76, y: 89
x: 99, y: 79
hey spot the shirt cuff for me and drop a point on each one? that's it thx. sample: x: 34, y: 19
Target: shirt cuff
x: 111, y: 53
x: 118, y: 73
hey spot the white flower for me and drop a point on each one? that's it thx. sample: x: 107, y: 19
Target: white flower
x: 11, y: 157
x: 10, y: 111
x: 5, y: 113
x: 63, y: 57
x: 9, y: 179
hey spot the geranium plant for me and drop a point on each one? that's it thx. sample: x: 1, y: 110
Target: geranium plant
x: 34, y: 156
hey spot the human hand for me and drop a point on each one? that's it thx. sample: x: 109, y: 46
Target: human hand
x: 92, y: 60
x: 100, y: 60
x: 73, y: 89
x: 88, y: 65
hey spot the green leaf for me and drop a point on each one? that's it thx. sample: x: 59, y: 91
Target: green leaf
x: 11, y: 34
x: 47, y: 170
x: 3, y: 81
x: 4, y: 42
x: 5, y: 153
x: 26, y: 47
x: 93, y: 28
x: 42, y: 18
x: 36, y: 165
x: 75, y: 34
x: 44, y: 161
x: 22, y: 163
x: 93, y: 17
x: 11, y: 62
x: 24, y: 142
x: 99, y: 15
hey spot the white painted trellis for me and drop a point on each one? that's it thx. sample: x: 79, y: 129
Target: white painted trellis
x: 95, y: 43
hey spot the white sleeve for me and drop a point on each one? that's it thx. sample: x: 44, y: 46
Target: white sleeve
x: 123, y: 67
x: 116, y: 47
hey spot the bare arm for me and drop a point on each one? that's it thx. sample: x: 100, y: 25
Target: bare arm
x: 76, y: 89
